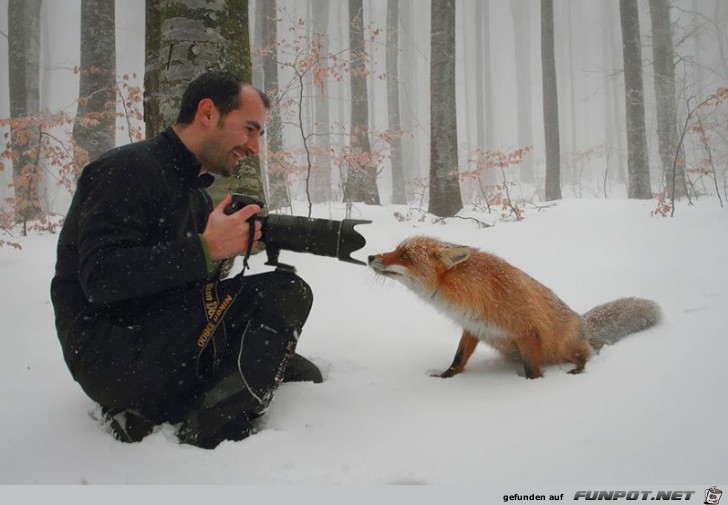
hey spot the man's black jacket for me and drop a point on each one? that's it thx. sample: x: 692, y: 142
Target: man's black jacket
x: 131, y: 235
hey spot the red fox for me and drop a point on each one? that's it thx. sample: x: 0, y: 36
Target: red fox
x: 500, y: 305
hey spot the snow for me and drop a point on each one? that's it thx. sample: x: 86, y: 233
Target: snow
x: 649, y: 410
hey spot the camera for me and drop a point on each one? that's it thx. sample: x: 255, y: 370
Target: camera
x: 323, y: 237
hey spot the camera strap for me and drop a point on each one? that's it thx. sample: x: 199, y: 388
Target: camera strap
x: 215, y: 309
x: 251, y: 239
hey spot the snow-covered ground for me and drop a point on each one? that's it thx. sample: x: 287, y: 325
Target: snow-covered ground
x: 649, y: 410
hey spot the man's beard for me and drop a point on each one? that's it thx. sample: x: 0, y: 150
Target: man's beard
x: 219, y: 164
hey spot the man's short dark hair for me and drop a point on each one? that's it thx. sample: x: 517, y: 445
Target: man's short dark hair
x: 223, y: 88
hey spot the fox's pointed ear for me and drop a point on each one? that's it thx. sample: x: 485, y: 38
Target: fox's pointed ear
x: 453, y: 255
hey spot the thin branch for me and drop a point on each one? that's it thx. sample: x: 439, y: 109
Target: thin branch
x: 515, y: 210
x: 710, y: 160
x: 481, y: 224
x: 541, y: 206
x: 680, y: 143
x: 120, y: 93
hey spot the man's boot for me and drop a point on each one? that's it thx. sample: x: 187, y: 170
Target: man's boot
x: 300, y: 369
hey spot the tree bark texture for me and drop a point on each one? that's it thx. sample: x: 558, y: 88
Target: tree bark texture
x: 277, y: 189
x: 521, y: 10
x: 94, y: 129
x: 638, y: 178
x: 552, y: 185
x: 445, y: 196
x: 361, y: 182
x: 321, y: 176
x: 664, y: 67
x: 399, y: 196
x: 24, y: 94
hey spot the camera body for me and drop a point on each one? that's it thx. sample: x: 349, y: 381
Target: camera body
x: 240, y: 201
x: 323, y: 237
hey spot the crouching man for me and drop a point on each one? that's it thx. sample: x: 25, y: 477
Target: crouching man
x: 146, y: 329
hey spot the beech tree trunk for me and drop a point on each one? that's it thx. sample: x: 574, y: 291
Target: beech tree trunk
x: 638, y: 178
x: 321, y: 126
x: 277, y: 188
x: 664, y: 67
x: 521, y: 11
x: 361, y: 182
x: 445, y: 196
x: 94, y: 129
x: 552, y: 185
x: 24, y: 84
x: 398, y: 187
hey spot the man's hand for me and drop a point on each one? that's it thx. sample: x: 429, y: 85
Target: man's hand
x: 228, y: 236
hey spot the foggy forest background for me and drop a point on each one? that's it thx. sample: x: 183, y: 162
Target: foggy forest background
x: 491, y: 104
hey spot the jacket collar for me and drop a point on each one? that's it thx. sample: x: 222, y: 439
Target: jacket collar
x: 184, y: 161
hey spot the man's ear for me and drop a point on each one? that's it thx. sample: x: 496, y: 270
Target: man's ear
x: 206, y: 111
x: 452, y: 255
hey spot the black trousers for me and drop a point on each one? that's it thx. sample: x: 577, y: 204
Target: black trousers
x: 229, y: 337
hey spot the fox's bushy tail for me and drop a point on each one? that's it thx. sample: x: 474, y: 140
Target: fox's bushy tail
x: 607, y: 323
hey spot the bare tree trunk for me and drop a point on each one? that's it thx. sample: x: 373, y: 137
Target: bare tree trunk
x: 572, y: 85
x: 521, y: 11
x: 638, y: 184
x: 343, y: 112
x: 445, y: 196
x: 485, y: 113
x: 720, y: 14
x: 610, y: 123
x: 257, y: 37
x: 24, y: 83
x: 398, y: 191
x: 612, y: 84
x: 552, y: 184
x: 479, y: 67
x: 490, y: 114
x: 409, y: 101
x: 663, y: 54
x: 278, y: 192
x: 153, y: 64
x: 196, y: 36
x: 97, y: 84
x: 322, y: 123
x: 361, y: 183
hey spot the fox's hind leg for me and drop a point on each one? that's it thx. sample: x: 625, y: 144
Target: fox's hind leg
x: 529, y: 346
x: 466, y: 347
x: 579, y: 355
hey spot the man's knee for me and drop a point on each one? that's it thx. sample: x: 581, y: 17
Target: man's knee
x: 281, y: 299
x: 284, y: 292
x: 304, y: 293
x: 291, y: 297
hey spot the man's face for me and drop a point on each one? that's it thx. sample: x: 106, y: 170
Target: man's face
x: 236, y: 135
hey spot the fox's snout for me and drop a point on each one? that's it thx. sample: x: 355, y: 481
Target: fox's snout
x: 384, y: 264
x: 377, y: 263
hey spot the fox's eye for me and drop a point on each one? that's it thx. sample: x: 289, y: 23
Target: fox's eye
x: 404, y: 256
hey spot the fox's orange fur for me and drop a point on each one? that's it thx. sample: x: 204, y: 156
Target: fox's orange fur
x: 503, y: 306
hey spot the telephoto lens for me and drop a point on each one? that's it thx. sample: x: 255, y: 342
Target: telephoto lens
x: 323, y: 237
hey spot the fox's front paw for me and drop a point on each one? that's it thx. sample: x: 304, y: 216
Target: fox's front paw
x: 446, y: 374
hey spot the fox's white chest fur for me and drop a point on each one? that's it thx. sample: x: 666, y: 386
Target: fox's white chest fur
x: 464, y: 316
x: 414, y: 266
